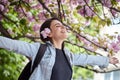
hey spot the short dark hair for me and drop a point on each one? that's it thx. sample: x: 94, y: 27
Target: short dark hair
x: 47, y: 24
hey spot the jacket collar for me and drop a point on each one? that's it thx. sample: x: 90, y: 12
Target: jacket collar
x: 49, y: 43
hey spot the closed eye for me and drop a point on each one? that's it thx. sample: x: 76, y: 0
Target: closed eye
x: 58, y: 26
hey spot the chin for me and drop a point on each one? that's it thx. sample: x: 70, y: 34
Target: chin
x: 65, y: 37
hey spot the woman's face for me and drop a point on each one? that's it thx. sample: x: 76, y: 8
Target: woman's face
x: 58, y: 30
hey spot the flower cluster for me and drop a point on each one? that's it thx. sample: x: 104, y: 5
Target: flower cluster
x: 86, y: 11
x: 45, y: 32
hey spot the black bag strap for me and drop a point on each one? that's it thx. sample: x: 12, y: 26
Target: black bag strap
x: 39, y: 56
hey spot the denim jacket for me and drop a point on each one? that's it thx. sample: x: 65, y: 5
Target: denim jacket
x: 44, y: 69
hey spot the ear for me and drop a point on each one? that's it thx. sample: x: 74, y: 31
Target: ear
x: 50, y: 34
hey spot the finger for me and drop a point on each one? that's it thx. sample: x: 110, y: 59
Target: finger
x: 116, y: 60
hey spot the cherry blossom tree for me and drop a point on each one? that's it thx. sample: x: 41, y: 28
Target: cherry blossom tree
x: 83, y: 19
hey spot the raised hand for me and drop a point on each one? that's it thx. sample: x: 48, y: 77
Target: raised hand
x: 113, y: 60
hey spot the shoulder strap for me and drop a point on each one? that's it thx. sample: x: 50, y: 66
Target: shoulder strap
x: 39, y: 56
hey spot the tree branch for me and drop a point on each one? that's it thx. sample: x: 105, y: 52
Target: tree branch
x: 63, y: 12
x: 46, y: 8
x: 82, y: 47
x: 77, y: 34
x: 59, y: 10
x: 14, y: 22
x: 93, y: 10
x: 3, y: 31
x: 22, y: 8
x: 115, y: 9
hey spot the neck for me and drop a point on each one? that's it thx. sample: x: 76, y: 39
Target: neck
x: 57, y: 44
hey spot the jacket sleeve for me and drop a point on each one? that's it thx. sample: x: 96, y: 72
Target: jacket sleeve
x: 84, y: 59
x: 24, y: 48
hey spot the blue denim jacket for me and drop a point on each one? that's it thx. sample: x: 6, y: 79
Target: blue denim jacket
x: 44, y: 69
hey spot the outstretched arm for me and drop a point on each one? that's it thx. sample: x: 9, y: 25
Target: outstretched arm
x: 24, y: 48
x: 84, y: 59
x: 101, y: 61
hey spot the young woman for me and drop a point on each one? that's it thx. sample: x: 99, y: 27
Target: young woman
x: 57, y: 61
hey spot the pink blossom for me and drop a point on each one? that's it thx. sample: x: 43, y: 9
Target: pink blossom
x: 45, y: 32
x: 91, y: 48
x: 1, y: 7
x: 84, y: 40
x: 36, y: 27
x: 37, y: 6
x: 113, y: 12
x: 5, y: 10
x: 47, y: 2
x: 87, y: 23
x: 89, y: 12
x: 73, y: 2
x: 118, y: 38
x: 29, y: 16
x: 18, y: 9
x: 80, y: 2
x: 80, y: 38
x: 10, y: 31
x: 95, y: 40
x: 41, y: 16
x: 109, y: 46
x: 83, y: 2
x: 63, y: 1
x: 115, y: 46
x: 4, y: 1
x: 81, y: 12
x: 86, y: 11
x: 106, y: 3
